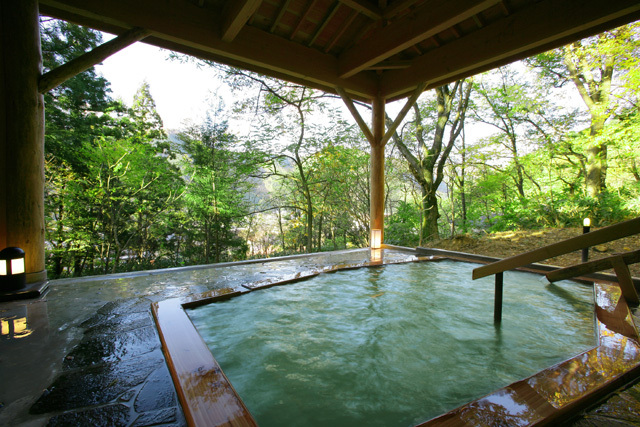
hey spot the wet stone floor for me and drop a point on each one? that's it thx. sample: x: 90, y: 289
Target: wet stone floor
x: 88, y: 352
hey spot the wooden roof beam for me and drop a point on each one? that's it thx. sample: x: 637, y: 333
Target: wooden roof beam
x: 82, y: 63
x: 281, y: 12
x: 302, y: 19
x: 236, y: 14
x: 197, y: 32
x: 397, y: 7
x: 391, y: 65
x: 364, y: 7
x: 324, y: 24
x: 516, y: 37
x: 430, y: 19
x: 403, y: 113
x: 366, y: 130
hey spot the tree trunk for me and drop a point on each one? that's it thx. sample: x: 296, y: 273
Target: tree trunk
x: 319, y: 241
x: 453, y: 211
x: 309, y: 223
x: 430, y: 215
x: 281, y: 230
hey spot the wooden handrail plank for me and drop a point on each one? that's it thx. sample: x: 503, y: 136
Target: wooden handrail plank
x: 603, y: 235
x: 594, y: 266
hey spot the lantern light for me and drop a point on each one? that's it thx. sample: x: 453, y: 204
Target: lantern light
x: 376, y: 238
x: 586, y: 222
x: 12, y: 269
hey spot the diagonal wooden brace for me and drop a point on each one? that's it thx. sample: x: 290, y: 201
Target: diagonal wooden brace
x: 624, y: 280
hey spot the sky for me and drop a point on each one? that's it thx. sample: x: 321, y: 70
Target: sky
x: 181, y: 90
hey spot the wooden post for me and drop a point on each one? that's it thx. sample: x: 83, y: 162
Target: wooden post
x: 625, y: 281
x: 22, y: 135
x: 586, y: 227
x: 377, y: 167
x: 497, y: 306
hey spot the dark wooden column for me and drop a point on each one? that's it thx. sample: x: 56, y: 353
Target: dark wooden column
x: 377, y: 167
x: 22, y: 134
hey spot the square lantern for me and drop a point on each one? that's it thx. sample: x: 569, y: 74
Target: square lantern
x: 376, y: 238
x: 12, y: 270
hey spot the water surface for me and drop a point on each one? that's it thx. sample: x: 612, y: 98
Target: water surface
x: 390, y: 346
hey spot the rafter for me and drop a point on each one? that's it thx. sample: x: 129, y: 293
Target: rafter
x: 302, y: 19
x: 397, y: 7
x: 430, y: 19
x: 236, y: 15
x: 514, y: 37
x: 341, y: 31
x: 281, y: 12
x: 196, y: 31
x: 391, y: 65
x: 324, y: 24
x: 364, y: 7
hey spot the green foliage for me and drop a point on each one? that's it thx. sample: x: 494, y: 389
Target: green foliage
x: 120, y: 195
x: 403, y: 226
x: 216, y: 200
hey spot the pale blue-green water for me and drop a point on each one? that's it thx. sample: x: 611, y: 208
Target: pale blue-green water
x: 390, y: 346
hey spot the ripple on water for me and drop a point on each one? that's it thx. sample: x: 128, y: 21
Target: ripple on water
x: 389, y: 346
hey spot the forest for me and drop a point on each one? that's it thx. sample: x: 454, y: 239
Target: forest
x: 542, y: 143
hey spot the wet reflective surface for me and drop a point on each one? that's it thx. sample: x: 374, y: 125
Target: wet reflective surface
x: 557, y: 391
x: 87, y: 354
x: 389, y: 346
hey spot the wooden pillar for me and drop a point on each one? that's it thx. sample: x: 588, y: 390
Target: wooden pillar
x: 377, y: 167
x: 22, y: 135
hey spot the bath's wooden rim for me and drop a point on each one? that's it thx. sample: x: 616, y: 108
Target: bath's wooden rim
x: 208, y: 398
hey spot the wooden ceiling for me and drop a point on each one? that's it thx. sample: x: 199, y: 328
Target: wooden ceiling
x: 369, y: 48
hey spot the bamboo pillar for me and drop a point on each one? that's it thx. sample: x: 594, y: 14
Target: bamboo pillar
x: 22, y: 135
x: 377, y: 167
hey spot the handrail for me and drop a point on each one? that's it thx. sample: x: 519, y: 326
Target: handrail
x: 594, y: 266
x: 597, y: 237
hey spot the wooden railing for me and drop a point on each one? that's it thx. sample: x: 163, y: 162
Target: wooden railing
x: 604, y: 235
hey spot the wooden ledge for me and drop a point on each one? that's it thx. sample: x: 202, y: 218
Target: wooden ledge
x: 208, y: 398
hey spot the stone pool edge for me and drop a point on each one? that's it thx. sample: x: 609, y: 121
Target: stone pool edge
x: 208, y: 398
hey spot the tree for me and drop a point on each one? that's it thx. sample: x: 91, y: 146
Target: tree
x: 427, y: 161
x: 511, y: 107
x: 287, y: 131
x: 75, y: 115
x: 145, y: 117
x: 591, y: 64
x: 218, y: 195
x: 131, y: 185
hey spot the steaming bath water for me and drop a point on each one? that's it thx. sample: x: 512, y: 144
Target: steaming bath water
x: 391, y: 345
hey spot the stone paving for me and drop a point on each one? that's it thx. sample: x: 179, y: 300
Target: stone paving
x: 115, y: 375
x: 90, y: 353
